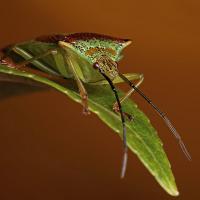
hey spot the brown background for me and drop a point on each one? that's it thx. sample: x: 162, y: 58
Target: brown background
x: 49, y: 150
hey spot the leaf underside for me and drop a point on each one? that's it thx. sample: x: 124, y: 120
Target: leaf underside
x: 142, y: 138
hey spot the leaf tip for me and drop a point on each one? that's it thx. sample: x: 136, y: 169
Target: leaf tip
x: 173, y: 191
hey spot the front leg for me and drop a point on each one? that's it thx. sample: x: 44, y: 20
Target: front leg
x: 82, y: 90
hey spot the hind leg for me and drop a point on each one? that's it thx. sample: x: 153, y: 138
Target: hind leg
x: 29, y: 59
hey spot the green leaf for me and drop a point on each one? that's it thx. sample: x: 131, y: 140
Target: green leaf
x: 142, y: 138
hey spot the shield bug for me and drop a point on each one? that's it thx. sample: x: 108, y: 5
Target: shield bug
x: 87, y: 58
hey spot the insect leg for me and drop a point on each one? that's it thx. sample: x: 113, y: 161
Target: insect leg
x: 34, y: 59
x: 30, y: 60
x: 161, y: 114
x: 129, y: 76
x: 82, y: 90
x: 116, y: 107
x: 125, y: 156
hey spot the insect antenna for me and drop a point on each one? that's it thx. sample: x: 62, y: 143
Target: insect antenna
x: 125, y: 155
x: 161, y: 114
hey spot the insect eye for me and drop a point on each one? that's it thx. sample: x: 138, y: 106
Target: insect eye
x: 96, y: 65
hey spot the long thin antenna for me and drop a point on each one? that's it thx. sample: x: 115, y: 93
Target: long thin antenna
x: 162, y: 115
x: 125, y: 156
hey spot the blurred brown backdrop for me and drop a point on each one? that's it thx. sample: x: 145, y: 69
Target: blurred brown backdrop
x: 49, y: 150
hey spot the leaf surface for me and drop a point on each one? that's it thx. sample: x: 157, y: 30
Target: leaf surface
x: 142, y: 138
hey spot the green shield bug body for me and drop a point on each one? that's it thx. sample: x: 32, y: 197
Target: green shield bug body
x: 87, y: 58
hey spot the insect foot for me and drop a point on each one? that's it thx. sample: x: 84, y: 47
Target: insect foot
x: 3, y: 62
x: 86, y: 111
x: 127, y: 115
x: 85, y: 104
x: 54, y: 52
x: 6, y: 61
